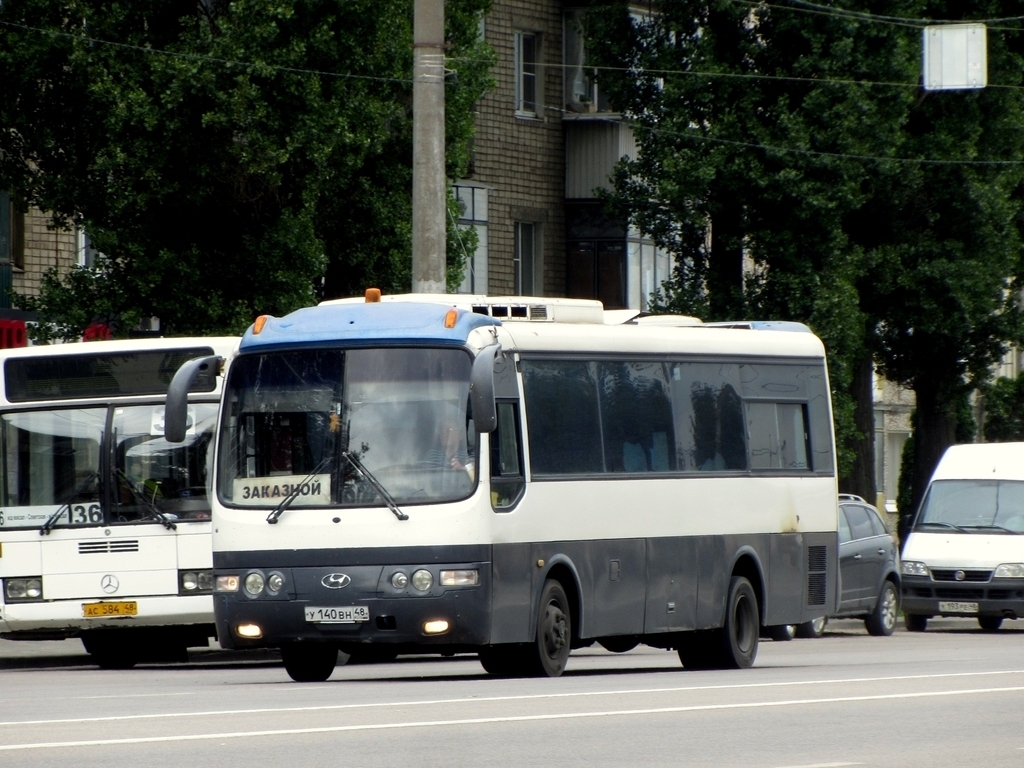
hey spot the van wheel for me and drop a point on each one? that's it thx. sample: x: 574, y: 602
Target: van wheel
x: 915, y: 622
x: 990, y: 623
x: 309, y: 662
x: 737, y: 639
x: 781, y: 632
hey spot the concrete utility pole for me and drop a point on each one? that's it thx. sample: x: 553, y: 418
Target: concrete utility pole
x: 429, y: 193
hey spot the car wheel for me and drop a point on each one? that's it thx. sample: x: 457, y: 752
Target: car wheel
x: 915, y: 622
x: 309, y: 662
x: 990, y: 623
x: 781, y: 632
x: 812, y: 628
x: 882, y: 620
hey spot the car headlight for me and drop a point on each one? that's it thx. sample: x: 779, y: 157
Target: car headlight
x: 254, y: 583
x: 914, y: 568
x: 23, y: 590
x: 422, y: 580
x: 1009, y: 571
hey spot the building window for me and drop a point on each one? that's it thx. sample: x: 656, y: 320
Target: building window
x: 473, y: 214
x: 525, y: 262
x: 526, y: 49
x: 12, y: 233
x: 85, y: 253
x: 597, y: 270
x: 581, y: 91
x: 648, y: 267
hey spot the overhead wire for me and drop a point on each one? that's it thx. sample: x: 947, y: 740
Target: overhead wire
x: 204, y: 58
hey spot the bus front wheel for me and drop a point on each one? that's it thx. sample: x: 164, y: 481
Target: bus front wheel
x: 309, y: 662
x: 554, y: 631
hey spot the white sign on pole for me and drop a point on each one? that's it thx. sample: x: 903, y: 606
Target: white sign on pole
x: 955, y: 57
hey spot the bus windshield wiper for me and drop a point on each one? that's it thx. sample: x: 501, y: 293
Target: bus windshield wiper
x: 941, y: 525
x: 286, y: 502
x: 152, y: 510
x: 51, y: 521
x: 380, y: 489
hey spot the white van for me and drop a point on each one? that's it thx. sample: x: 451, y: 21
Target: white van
x: 964, y: 555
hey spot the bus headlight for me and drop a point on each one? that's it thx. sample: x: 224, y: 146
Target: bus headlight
x: 914, y: 568
x: 1009, y: 571
x: 461, y: 578
x: 23, y: 590
x: 422, y: 580
x: 275, y: 582
x: 399, y: 580
x: 194, y: 582
x: 254, y: 583
x: 226, y: 584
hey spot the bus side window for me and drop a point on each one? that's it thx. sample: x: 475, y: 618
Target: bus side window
x: 507, y: 482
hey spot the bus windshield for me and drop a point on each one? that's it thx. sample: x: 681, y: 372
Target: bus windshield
x: 54, y: 462
x: 977, y: 506
x: 290, y: 418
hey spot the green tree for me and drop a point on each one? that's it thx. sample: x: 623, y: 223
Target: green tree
x: 1004, y: 410
x: 225, y: 157
x: 800, y: 141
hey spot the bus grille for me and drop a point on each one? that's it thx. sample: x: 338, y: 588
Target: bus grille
x: 104, y: 547
x: 817, y: 575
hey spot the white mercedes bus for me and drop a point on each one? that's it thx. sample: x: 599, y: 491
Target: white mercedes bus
x: 517, y: 477
x: 104, y: 525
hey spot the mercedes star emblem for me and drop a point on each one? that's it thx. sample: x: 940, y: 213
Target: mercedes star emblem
x: 109, y: 584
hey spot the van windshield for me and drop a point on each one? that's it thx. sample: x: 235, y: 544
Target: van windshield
x: 975, y: 506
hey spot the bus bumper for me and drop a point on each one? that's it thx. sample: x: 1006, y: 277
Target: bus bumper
x: 56, y: 619
x: 394, y: 617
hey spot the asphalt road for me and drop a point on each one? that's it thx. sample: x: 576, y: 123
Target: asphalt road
x: 952, y: 696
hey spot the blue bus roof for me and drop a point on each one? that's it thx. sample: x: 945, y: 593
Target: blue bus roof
x: 375, y: 323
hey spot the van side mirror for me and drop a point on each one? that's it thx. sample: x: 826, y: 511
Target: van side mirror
x: 176, y: 405
x: 481, y: 390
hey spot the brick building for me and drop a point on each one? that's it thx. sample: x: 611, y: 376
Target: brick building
x: 29, y: 247
x: 545, y: 142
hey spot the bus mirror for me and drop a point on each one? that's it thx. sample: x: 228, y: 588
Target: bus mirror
x: 481, y: 390
x: 176, y: 406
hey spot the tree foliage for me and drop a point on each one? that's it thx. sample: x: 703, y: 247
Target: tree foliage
x: 226, y: 157
x: 1004, y: 410
x: 788, y: 159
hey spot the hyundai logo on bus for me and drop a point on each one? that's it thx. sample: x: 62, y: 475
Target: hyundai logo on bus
x: 336, y: 580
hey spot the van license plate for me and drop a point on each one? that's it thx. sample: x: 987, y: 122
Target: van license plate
x: 958, y: 607
x: 349, y: 614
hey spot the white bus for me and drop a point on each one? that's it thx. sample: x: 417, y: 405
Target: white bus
x: 517, y: 477
x: 104, y: 525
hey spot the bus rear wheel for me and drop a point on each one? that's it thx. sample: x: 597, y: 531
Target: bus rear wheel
x: 737, y: 639
x: 554, y: 632
x: 309, y: 662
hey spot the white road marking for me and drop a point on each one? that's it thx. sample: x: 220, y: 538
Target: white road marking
x: 134, y: 696
x: 524, y: 697
x: 492, y: 720
x: 822, y: 765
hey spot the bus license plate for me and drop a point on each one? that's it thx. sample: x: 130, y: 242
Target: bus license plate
x: 958, y: 607
x: 346, y: 614
x: 121, y: 608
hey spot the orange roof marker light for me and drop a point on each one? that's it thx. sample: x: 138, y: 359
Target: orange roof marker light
x: 451, y: 317
x: 260, y: 322
x: 373, y: 295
